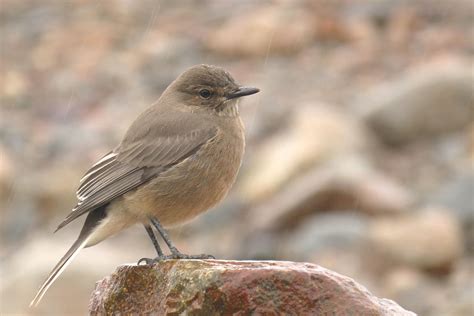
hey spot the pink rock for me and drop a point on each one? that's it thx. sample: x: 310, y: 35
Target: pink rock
x: 221, y: 287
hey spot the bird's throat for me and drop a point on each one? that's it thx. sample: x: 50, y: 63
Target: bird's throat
x: 228, y: 109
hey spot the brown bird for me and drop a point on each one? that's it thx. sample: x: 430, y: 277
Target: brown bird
x: 178, y: 159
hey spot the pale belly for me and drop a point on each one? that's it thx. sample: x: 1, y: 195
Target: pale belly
x: 189, y: 188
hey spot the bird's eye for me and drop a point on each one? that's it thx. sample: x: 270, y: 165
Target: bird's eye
x: 205, y: 94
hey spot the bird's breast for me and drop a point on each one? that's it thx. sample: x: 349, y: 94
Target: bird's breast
x: 194, y: 185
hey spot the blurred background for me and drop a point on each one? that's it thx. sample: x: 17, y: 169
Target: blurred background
x: 360, y: 145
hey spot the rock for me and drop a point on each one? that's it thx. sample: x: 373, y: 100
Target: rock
x: 427, y: 104
x: 14, y: 85
x: 429, y: 295
x: 470, y: 146
x: 217, y: 287
x: 430, y: 240
x: 316, y: 234
x: 400, y: 27
x: 19, y: 285
x: 458, y: 196
x: 314, y: 135
x: 263, y: 31
x: 6, y: 177
x: 345, y: 184
x: 261, y: 245
x: 333, y: 230
x: 458, y: 299
x: 414, y: 289
x: 349, y: 260
x: 377, y: 194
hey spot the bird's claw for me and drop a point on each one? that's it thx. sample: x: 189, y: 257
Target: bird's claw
x: 183, y: 256
x: 147, y: 261
x: 176, y: 256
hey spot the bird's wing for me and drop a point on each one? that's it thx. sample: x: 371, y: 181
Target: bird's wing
x: 133, y: 164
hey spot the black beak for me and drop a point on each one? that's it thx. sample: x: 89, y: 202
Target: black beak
x: 242, y: 91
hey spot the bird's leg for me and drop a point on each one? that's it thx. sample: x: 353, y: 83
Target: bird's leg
x: 164, y: 235
x: 152, y: 236
x: 150, y: 232
x: 175, y: 253
x: 161, y: 256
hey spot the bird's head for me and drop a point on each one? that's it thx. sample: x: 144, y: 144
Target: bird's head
x: 208, y: 87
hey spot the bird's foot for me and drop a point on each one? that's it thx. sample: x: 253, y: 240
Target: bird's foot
x: 151, y: 261
x: 177, y: 256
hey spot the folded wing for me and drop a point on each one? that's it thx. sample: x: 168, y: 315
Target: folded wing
x: 132, y: 165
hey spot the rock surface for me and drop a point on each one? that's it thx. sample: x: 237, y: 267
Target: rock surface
x: 218, y: 287
x: 428, y: 104
x: 345, y: 184
x: 430, y: 240
x: 253, y: 33
x: 333, y: 134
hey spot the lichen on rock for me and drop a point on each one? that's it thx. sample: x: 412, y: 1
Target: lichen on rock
x: 224, y: 287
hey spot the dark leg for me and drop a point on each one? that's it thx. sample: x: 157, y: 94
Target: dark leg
x: 175, y: 254
x: 164, y: 235
x: 152, y: 236
x: 150, y: 232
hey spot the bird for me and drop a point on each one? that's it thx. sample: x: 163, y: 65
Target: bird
x: 178, y: 159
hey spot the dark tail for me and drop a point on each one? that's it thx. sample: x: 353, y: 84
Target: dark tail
x: 92, y: 220
x: 59, y: 268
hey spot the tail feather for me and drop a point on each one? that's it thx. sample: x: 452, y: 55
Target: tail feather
x: 59, y: 268
x: 94, y: 218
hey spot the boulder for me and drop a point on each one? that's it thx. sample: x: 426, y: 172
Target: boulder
x: 320, y: 232
x: 316, y: 134
x: 265, y: 30
x: 457, y: 196
x: 344, y: 184
x: 222, y: 287
x: 429, y: 240
x: 423, y: 104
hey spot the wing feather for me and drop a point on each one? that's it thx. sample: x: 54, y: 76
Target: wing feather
x: 131, y: 165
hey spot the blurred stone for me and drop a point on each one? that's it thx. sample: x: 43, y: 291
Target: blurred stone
x: 24, y: 270
x: 460, y: 291
x: 6, y: 176
x: 430, y: 240
x: 218, y: 231
x: 402, y: 278
x: 470, y: 146
x: 458, y: 196
x: 166, y: 56
x: 262, y: 245
x: 378, y: 194
x: 349, y: 261
x: 57, y: 197
x: 417, y: 291
x: 344, y: 184
x: 14, y: 84
x: 213, y: 287
x: 364, y: 36
x: 331, y: 27
x: 314, y: 135
x: 263, y: 31
x: 7, y: 186
x: 326, y: 231
x: 382, y: 11
x: 459, y: 304
x: 86, y: 44
x: 425, y: 104
x: 402, y: 26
